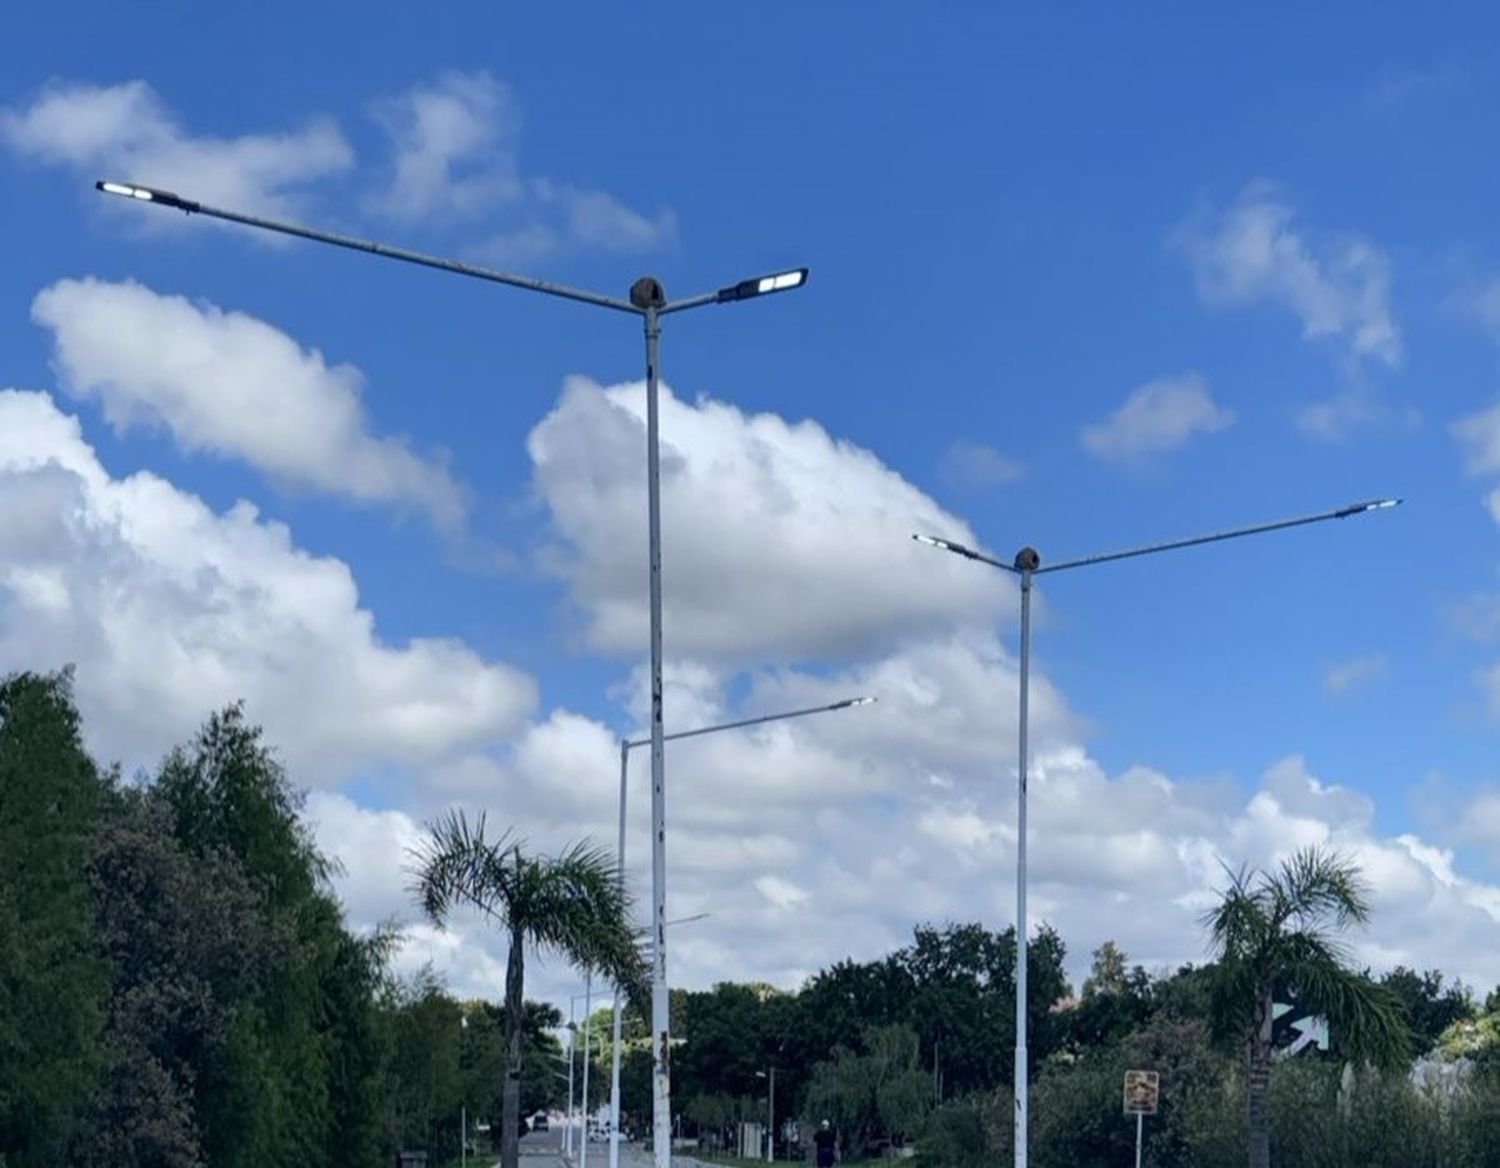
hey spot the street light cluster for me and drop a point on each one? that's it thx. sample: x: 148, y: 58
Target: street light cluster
x: 648, y: 299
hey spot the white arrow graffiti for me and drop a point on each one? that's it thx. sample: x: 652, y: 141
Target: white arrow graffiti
x: 1312, y: 1029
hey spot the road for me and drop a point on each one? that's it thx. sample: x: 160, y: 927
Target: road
x: 544, y: 1150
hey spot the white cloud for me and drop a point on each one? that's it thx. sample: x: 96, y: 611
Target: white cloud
x: 1357, y: 671
x: 233, y: 385
x: 598, y: 219
x: 455, y: 149
x: 814, y: 840
x: 1159, y: 416
x: 1481, y: 820
x: 967, y: 464
x: 126, y: 132
x: 454, y: 144
x: 777, y: 539
x: 1338, y: 287
x: 170, y: 610
x: 1484, y: 304
x: 1479, y: 436
x: 1333, y: 419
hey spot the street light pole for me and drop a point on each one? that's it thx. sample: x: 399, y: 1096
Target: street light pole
x: 568, y: 1130
x: 648, y: 300
x: 588, y: 1005
x: 1027, y: 564
x: 1022, y: 954
x: 463, y: 1118
x: 626, y: 745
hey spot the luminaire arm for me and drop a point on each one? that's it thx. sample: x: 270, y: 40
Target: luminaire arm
x: 168, y: 199
x: 843, y: 705
x: 1148, y: 549
x: 745, y: 289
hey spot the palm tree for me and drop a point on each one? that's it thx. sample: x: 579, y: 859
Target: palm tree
x: 573, y: 904
x: 1282, y: 926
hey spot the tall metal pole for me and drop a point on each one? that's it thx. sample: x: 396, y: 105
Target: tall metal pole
x: 1026, y: 565
x: 1139, y: 1119
x: 588, y: 1006
x: 572, y: 1034
x: 661, y: 1080
x: 771, y: 1118
x: 614, y: 1060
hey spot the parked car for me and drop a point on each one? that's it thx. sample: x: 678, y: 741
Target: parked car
x: 539, y: 1121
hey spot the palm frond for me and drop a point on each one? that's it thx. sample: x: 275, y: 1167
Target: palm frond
x: 1366, y: 1019
x: 456, y: 864
x: 1238, y: 924
x: 1314, y: 885
x: 578, y: 906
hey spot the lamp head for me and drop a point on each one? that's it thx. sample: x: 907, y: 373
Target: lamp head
x: 647, y: 292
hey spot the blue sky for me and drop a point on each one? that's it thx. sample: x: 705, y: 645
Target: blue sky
x: 1081, y: 282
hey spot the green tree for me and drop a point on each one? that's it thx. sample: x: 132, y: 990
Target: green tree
x: 574, y: 905
x: 1283, y: 925
x: 1116, y: 1000
x: 53, y: 981
x: 1431, y: 1007
x: 962, y: 1001
x: 186, y: 944
x: 883, y: 1092
x: 293, y: 1065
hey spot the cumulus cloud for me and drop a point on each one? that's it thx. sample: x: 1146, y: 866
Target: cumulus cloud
x: 813, y: 840
x: 455, y: 152
x: 1338, y: 287
x: 975, y: 465
x: 778, y: 540
x: 1479, y: 436
x: 1357, y: 671
x: 1159, y: 416
x: 232, y: 385
x: 453, y: 147
x: 170, y: 609
x: 126, y: 132
x: 1336, y: 417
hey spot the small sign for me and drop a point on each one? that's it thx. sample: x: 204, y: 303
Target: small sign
x: 1142, y: 1089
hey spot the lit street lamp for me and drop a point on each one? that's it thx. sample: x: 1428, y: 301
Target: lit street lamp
x: 626, y: 746
x: 1028, y: 563
x: 648, y: 300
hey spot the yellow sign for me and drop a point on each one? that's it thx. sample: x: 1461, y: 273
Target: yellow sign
x: 1142, y: 1089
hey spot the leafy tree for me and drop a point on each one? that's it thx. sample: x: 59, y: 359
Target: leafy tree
x: 186, y: 942
x: 574, y: 904
x: 426, y: 1028
x: 52, y: 980
x: 1283, y: 925
x: 482, y: 1060
x: 962, y: 1001
x: 883, y: 1092
x: 1431, y: 1007
x: 290, y: 1062
x: 1115, y: 1001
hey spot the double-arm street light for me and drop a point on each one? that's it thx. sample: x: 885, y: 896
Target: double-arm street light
x: 648, y: 300
x: 1027, y: 564
x: 626, y: 746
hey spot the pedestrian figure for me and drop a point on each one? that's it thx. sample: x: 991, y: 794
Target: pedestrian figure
x: 824, y: 1141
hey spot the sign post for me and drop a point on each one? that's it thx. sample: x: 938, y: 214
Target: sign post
x: 1142, y: 1092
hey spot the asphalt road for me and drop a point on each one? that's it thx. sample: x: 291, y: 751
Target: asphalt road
x: 541, y: 1149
